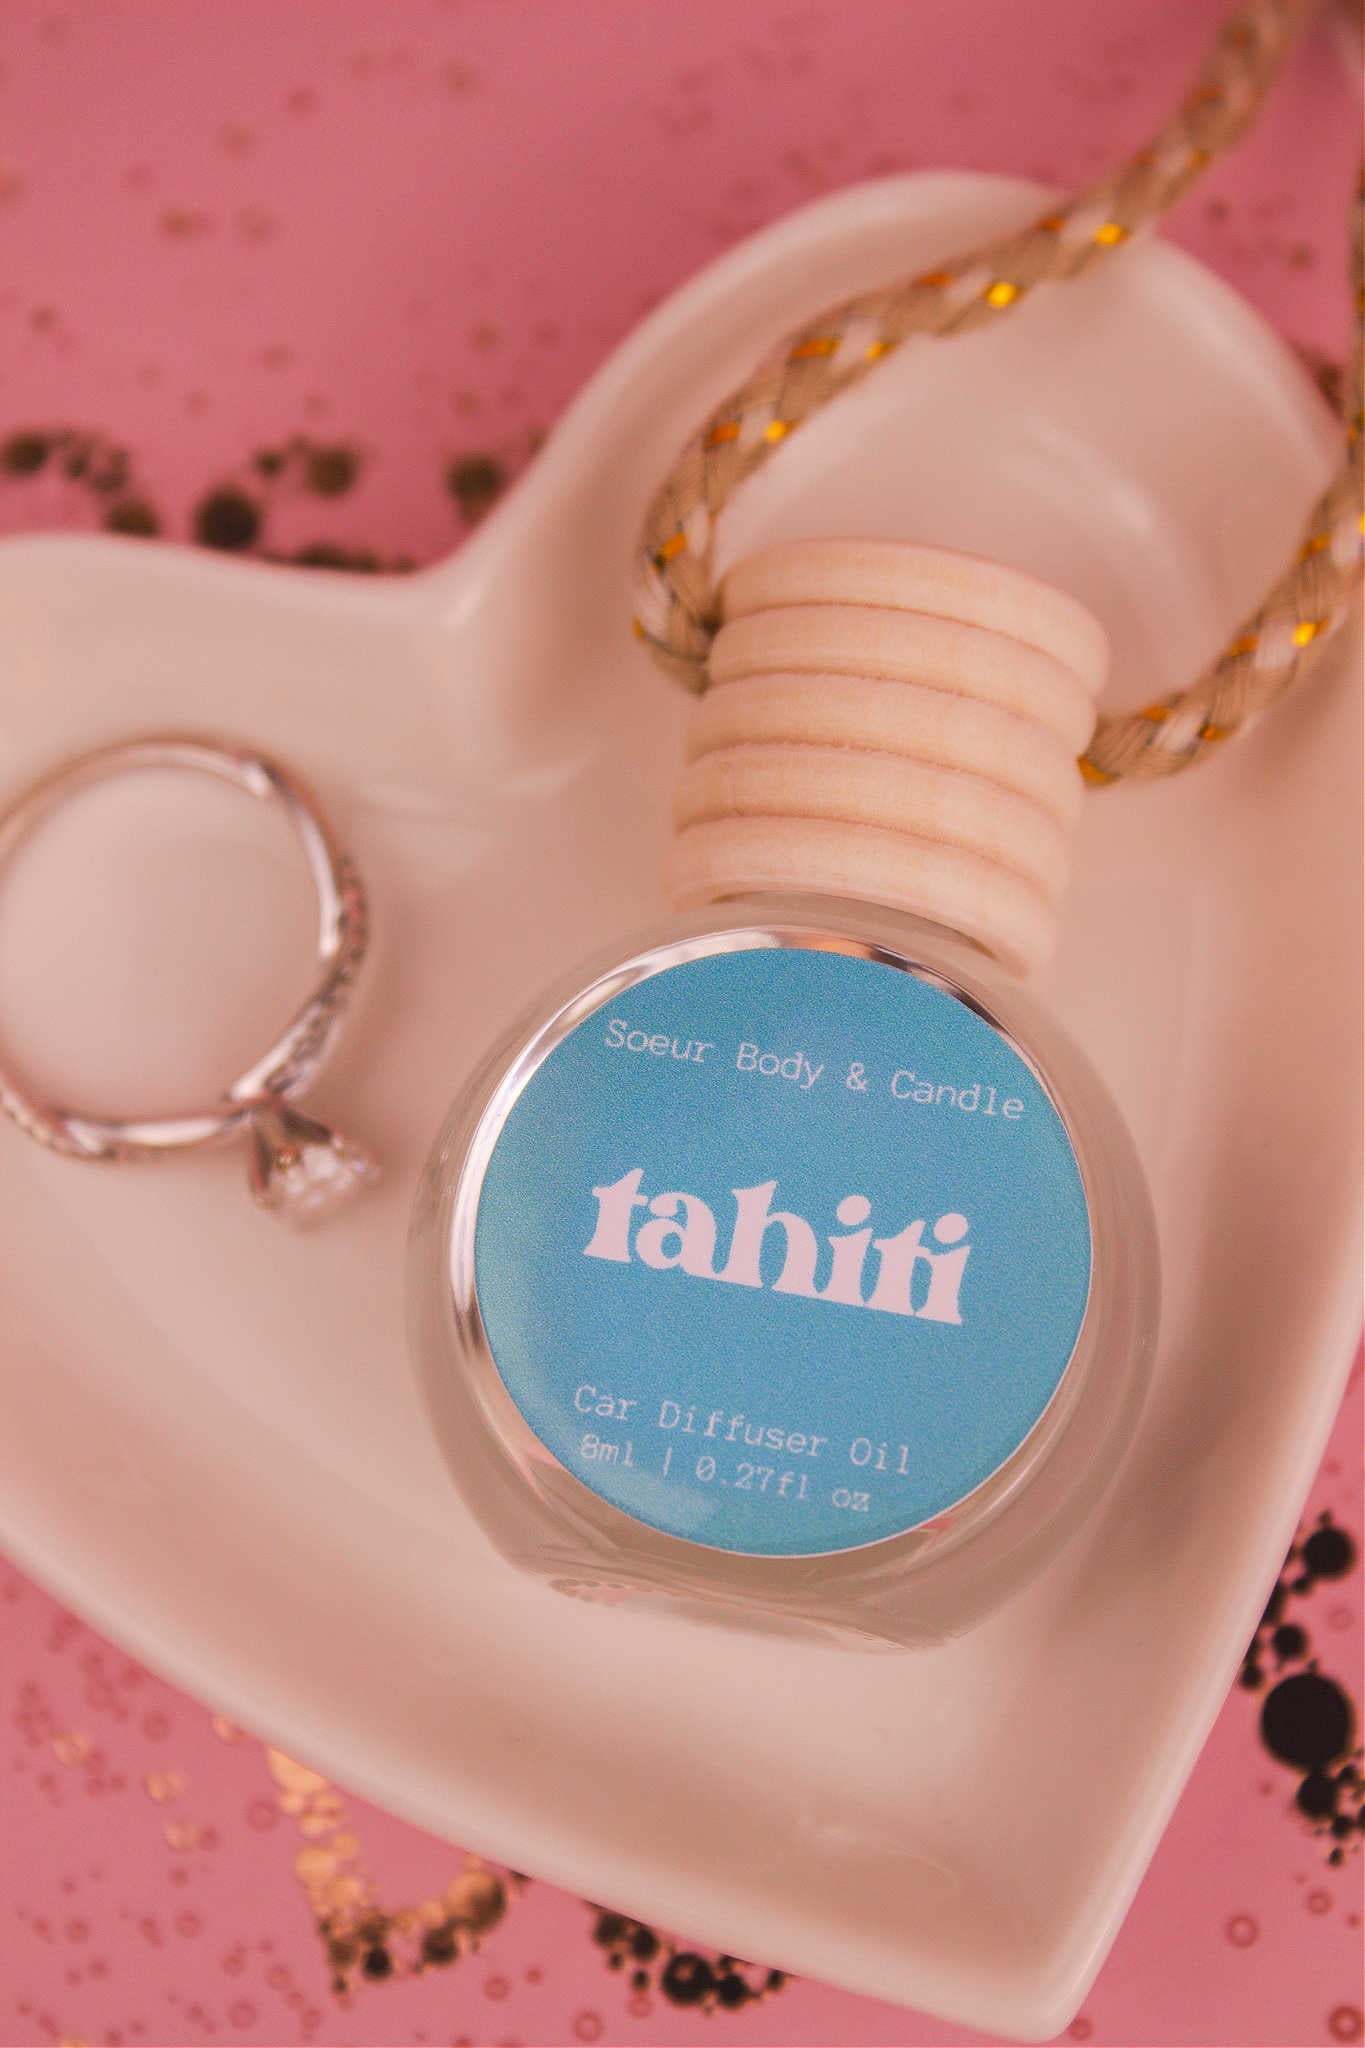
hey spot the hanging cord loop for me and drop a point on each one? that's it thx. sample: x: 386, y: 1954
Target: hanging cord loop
x: 674, y: 593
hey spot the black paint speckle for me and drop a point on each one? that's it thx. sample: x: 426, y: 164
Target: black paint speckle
x: 227, y: 519
x: 1316, y: 1796
x: 132, y: 516
x: 1307, y: 1720
x: 1328, y: 1553
x: 23, y: 454
x: 475, y: 482
x: 687, y: 1979
x: 330, y: 472
x: 682, y: 1976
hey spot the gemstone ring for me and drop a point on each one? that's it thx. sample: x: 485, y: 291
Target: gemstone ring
x: 299, y: 1168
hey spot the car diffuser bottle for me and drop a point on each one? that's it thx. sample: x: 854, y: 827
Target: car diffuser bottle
x: 791, y: 1264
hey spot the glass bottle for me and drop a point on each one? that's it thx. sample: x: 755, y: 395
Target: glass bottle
x: 790, y: 1265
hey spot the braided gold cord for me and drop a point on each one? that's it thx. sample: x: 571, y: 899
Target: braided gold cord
x: 674, y: 591
x: 1270, y: 650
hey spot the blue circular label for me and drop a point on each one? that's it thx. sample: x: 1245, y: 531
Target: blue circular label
x: 782, y: 1250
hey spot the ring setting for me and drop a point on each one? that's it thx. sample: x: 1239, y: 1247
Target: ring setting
x: 299, y: 1168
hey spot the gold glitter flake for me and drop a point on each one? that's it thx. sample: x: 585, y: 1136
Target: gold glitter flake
x: 294, y: 1777
x: 164, y: 1786
x: 362, y: 1938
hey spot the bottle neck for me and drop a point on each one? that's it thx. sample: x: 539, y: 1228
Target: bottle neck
x: 863, y: 922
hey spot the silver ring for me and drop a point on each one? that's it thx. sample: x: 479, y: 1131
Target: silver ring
x: 299, y: 1167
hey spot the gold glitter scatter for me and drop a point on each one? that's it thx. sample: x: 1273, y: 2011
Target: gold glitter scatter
x: 477, y: 1900
x: 71, y: 1749
x: 183, y: 1834
x: 315, y: 1867
x: 363, y: 1939
x: 164, y: 1786
x: 225, y: 1731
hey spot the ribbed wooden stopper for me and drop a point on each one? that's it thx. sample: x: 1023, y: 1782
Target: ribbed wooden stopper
x: 894, y: 723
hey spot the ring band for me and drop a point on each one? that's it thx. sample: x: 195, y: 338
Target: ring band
x: 298, y: 1166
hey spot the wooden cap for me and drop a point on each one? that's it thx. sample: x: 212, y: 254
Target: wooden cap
x: 895, y: 723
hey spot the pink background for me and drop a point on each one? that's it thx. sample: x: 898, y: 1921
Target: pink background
x: 399, y: 236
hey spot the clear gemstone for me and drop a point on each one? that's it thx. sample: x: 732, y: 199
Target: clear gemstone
x: 300, y: 1168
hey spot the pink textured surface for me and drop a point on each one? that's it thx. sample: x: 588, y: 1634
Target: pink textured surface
x: 410, y: 232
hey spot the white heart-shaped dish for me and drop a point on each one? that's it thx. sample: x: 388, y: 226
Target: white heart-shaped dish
x: 213, y: 1445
